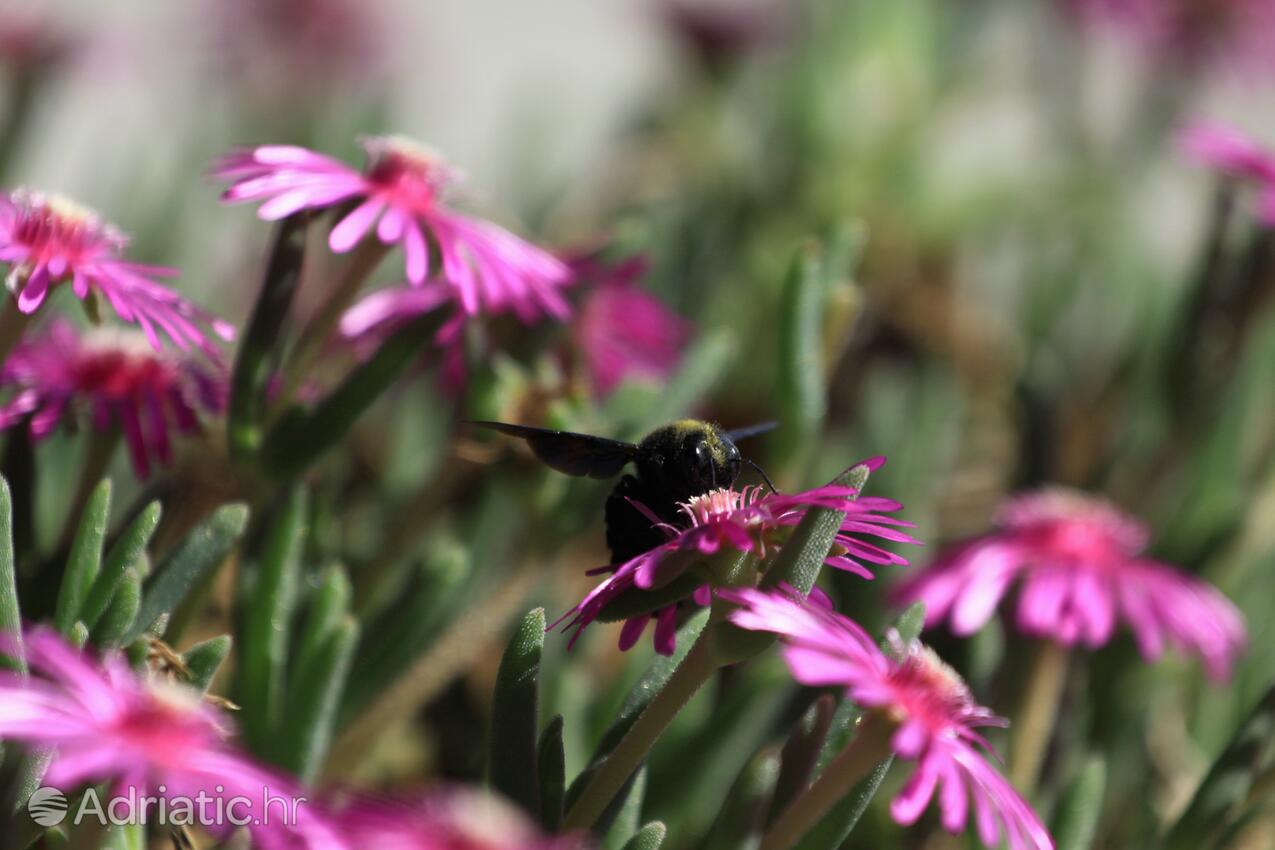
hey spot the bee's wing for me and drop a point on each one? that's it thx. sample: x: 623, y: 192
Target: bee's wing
x: 751, y: 431
x: 574, y: 454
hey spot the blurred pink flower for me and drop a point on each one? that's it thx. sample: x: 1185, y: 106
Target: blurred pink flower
x: 1193, y: 33
x: 747, y: 521
x: 114, y: 376
x: 453, y: 818
x: 47, y: 240
x: 937, y: 716
x: 368, y: 324
x: 286, y: 48
x: 1079, y: 561
x: 1236, y: 155
x: 624, y: 331
x: 31, y: 39
x: 400, y: 194
x: 104, y: 723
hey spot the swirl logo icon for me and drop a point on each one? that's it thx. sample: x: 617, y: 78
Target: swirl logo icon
x: 47, y: 806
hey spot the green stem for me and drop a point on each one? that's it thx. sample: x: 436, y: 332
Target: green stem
x: 870, y: 746
x: 1034, y: 723
x: 351, y: 277
x: 13, y: 323
x: 695, y: 670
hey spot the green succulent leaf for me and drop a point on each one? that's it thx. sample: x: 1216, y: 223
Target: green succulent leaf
x: 204, y: 659
x: 85, y: 560
x: 128, y: 552
x: 649, y: 837
x: 740, y: 821
x: 311, y: 719
x: 1076, y: 822
x: 203, y: 549
x: 801, y: 753
x: 514, y: 745
x: 270, y: 577
x: 10, y: 615
x: 121, y: 614
x: 552, y: 765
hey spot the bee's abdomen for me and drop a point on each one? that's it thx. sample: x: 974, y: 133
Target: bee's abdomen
x: 630, y: 532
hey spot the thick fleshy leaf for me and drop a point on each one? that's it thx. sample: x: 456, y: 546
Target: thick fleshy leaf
x: 269, y: 576
x: 514, y: 744
x: 649, y: 837
x: 623, y: 824
x: 801, y: 388
x: 326, y: 610
x: 204, y: 659
x: 655, y: 677
x: 551, y: 764
x: 85, y: 560
x: 307, y: 734
x: 10, y: 615
x: 741, y: 819
x: 204, y: 548
x: 1076, y: 822
x: 259, y: 346
x: 801, y: 753
x: 128, y: 552
x: 121, y: 614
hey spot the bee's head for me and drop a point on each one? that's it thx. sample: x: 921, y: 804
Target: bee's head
x: 690, y: 457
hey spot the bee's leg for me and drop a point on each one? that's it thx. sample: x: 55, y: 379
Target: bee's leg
x: 630, y: 532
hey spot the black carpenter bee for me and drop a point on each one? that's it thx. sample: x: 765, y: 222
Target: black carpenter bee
x: 674, y: 463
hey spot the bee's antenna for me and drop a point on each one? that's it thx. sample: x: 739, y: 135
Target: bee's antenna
x: 760, y: 472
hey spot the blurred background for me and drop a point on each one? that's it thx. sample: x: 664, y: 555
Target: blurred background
x: 960, y: 233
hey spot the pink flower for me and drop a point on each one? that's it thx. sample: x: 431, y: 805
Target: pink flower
x: 747, y: 521
x: 290, y: 48
x: 105, y: 724
x: 1236, y: 155
x: 113, y: 376
x: 400, y: 194
x: 937, y: 716
x: 47, y: 240
x: 370, y: 322
x: 1193, y: 33
x: 454, y: 818
x: 624, y: 331
x: 1078, y: 560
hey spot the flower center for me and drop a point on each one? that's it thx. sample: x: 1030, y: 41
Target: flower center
x: 53, y: 227
x: 166, y: 724
x: 929, y: 690
x: 705, y: 507
x: 120, y: 363
x: 412, y: 174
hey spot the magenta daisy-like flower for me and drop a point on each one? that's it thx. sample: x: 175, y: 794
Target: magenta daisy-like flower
x: 400, y: 195
x: 106, y: 724
x: 747, y: 521
x: 1193, y: 33
x: 453, y: 818
x: 48, y: 240
x: 937, y: 718
x: 624, y: 331
x: 1079, y: 563
x: 1238, y: 156
x: 112, y: 377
